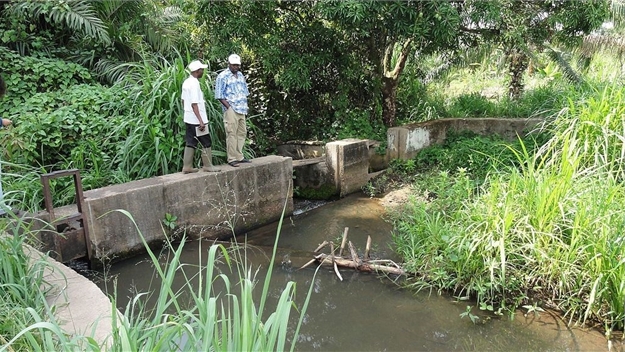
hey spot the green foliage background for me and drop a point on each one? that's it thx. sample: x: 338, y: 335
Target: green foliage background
x: 96, y: 86
x: 64, y: 119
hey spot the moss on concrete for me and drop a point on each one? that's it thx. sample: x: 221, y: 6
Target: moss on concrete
x: 322, y: 193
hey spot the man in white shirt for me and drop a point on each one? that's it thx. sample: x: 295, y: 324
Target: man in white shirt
x: 195, y: 120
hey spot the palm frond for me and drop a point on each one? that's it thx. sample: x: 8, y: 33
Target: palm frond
x: 77, y: 15
x: 564, y: 65
x: 113, y: 71
x: 158, y: 27
x: 597, y: 42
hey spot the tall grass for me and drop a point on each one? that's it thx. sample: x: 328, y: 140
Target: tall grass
x: 27, y: 322
x: 549, y: 233
x: 230, y: 319
x: 154, y: 129
x: 196, y: 316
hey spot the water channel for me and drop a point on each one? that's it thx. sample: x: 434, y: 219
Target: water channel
x: 365, y: 312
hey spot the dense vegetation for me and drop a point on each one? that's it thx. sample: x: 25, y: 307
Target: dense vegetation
x: 318, y: 70
x: 95, y: 85
x: 532, y: 227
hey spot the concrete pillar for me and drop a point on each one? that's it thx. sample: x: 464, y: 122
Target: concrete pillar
x: 405, y: 141
x: 348, y: 164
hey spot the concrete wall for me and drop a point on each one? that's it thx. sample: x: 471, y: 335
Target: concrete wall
x: 405, y: 141
x: 343, y: 170
x: 80, y: 307
x: 348, y: 164
x: 208, y: 205
x: 311, y: 173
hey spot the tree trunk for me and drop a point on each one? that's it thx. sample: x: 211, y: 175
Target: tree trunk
x: 517, y: 64
x: 390, y: 81
x: 389, y: 100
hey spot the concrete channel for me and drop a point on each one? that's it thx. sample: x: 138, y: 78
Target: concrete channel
x: 216, y: 205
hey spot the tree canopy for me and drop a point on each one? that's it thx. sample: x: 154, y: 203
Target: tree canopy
x: 312, y: 65
x: 323, y: 60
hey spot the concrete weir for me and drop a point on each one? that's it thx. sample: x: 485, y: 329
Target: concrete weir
x: 207, y: 205
x: 212, y: 205
x: 122, y: 218
x: 218, y: 205
x: 234, y: 200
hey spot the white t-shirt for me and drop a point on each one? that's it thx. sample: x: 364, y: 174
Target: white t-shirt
x: 192, y: 93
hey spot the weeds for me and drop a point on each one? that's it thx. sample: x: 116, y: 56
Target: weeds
x: 170, y: 221
x: 209, y: 312
x: 547, y: 230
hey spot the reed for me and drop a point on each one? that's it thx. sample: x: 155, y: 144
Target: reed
x: 229, y: 319
x: 210, y: 311
x: 549, y: 232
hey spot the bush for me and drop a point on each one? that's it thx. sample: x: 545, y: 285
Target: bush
x: 477, y: 155
x: 26, y: 75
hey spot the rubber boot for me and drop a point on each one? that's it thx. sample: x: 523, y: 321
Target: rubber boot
x: 187, y: 161
x: 207, y: 160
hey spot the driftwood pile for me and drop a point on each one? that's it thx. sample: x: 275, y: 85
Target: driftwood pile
x: 353, y: 260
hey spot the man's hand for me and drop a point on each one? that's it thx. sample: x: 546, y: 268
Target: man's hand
x: 6, y: 122
x: 202, y: 125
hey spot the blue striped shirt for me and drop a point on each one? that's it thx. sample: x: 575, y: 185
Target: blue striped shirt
x: 233, y: 89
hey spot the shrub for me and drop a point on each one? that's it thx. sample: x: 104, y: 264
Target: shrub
x: 27, y: 75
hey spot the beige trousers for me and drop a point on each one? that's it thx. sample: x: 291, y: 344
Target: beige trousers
x: 236, y: 131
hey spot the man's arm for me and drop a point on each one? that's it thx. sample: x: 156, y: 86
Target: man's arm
x: 220, y: 91
x: 225, y: 103
x: 196, y: 111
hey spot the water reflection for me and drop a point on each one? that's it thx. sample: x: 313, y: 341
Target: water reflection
x: 365, y: 312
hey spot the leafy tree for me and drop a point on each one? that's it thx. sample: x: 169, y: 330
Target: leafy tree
x: 291, y: 58
x: 322, y: 63
x: 522, y: 27
x: 386, y: 34
x: 102, y: 35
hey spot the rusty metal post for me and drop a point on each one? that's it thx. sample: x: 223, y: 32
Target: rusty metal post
x: 47, y: 195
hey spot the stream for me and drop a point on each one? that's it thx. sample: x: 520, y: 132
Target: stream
x: 365, y: 312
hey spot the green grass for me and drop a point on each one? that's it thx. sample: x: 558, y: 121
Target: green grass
x: 547, y: 232
x: 209, y: 312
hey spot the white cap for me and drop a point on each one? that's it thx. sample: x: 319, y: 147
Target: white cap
x: 234, y: 59
x: 196, y: 65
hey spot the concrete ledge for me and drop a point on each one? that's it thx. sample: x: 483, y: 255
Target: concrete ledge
x: 81, y: 307
x: 404, y: 142
x: 304, y: 162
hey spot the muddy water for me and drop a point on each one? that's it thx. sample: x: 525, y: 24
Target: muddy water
x: 364, y: 312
